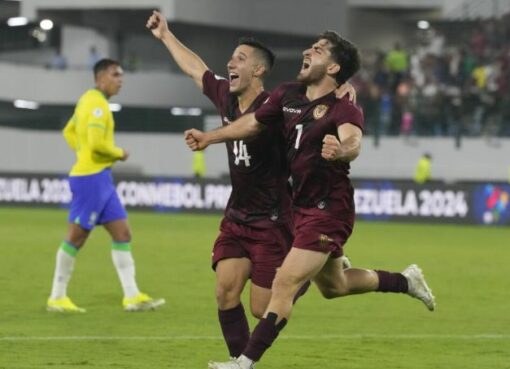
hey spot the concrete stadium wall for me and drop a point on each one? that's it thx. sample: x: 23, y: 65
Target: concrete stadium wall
x: 285, y: 16
x: 389, y: 30
x: 64, y: 87
x: 150, y: 154
x: 162, y: 154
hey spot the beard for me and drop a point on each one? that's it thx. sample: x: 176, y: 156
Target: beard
x: 312, y: 75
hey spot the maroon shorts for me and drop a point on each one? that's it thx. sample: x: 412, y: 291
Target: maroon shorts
x: 265, y: 247
x: 321, y: 233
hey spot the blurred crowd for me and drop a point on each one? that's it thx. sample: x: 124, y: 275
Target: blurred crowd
x: 455, y: 85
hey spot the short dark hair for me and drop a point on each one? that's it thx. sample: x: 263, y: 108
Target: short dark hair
x: 103, y: 65
x: 343, y: 52
x: 263, y: 51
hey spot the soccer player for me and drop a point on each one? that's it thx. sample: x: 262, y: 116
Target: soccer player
x: 256, y: 231
x: 323, y: 135
x: 90, y: 134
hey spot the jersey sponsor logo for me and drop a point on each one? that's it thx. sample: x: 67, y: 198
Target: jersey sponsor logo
x: 225, y: 119
x: 97, y: 112
x: 219, y: 78
x: 319, y: 111
x: 266, y: 101
x: 291, y: 110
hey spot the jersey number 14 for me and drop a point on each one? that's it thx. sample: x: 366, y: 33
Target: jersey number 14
x: 241, y: 153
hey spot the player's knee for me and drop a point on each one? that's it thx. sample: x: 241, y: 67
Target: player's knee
x: 333, y: 292
x: 226, y: 295
x: 329, y: 293
x: 126, y: 235
x: 77, y: 239
x: 285, y: 284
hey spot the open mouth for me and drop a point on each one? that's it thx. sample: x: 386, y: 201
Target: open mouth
x: 233, y: 76
x: 306, y: 65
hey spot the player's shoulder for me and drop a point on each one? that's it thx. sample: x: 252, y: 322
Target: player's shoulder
x: 93, y: 96
x: 210, y: 74
x: 289, y: 91
x: 93, y: 102
x: 211, y: 78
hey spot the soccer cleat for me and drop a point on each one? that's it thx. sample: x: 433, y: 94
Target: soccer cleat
x: 417, y: 287
x: 242, y: 362
x: 141, y: 302
x: 346, y: 262
x: 63, y: 305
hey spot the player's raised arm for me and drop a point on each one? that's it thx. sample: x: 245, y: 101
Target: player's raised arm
x: 245, y: 127
x: 347, y: 148
x: 69, y: 133
x: 189, y: 62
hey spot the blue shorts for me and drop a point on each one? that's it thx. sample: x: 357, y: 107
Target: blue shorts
x: 95, y: 200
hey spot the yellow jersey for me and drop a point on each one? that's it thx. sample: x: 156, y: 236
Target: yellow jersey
x: 423, y: 171
x: 89, y: 133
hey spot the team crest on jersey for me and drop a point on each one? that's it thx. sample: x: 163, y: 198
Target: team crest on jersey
x: 319, y: 111
x: 98, y: 112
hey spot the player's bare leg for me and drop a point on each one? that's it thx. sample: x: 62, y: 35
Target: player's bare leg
x: 77, y: 235
x: 299, y: 266
x: 259, y: 300
x: 134, y: 300
x: 335, y: 281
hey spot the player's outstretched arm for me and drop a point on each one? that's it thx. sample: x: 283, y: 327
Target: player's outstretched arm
x: 347, y: 148
x: 189, y: 62
x: 244, y: 127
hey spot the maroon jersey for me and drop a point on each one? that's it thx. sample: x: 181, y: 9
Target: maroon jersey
x: 318, y: 185
x: 258, y: 169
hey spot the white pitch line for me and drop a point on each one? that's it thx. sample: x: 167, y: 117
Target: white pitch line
x: 466, y: 337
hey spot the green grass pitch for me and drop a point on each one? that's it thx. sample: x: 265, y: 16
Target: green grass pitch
x: 468, y: 269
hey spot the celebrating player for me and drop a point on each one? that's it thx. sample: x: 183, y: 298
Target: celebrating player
x: 322, y: 136
x: 90, y: 133
x: 256, y: 232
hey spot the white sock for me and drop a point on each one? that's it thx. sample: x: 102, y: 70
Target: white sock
x: 66, y: 256
x: 125, y: 266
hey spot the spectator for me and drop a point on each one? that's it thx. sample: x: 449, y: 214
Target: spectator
x: 94, y: 57
x: 422, y: 173
x: 397, y: 63
x: 58, y: 61
x: 199, y: 164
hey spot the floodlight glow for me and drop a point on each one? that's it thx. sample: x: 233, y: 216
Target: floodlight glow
x: 26, y: 104
x: 17, y: 21
x: 186, y: 111
x: 423, y: 24
x: 115, y: 107
x: 46, y: 24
